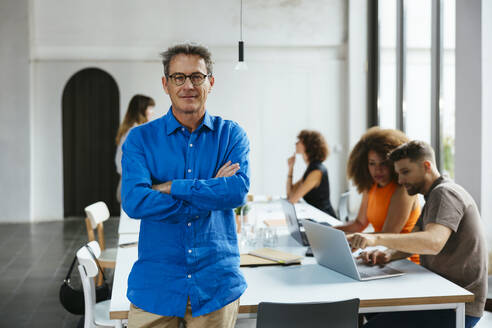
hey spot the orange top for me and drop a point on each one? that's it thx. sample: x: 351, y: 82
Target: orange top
x: 379, y: 199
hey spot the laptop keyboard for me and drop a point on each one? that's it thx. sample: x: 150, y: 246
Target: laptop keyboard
x: 366, y: 271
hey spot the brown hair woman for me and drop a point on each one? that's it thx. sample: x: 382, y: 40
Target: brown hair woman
x: 139, y: 111
x: 314, y: 186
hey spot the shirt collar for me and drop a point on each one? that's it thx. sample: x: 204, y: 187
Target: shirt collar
x: 437, y: 182
x: 172, y: 123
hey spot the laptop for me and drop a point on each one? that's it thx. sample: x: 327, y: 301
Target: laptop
x: 292, y: 223
x: 331, y: 249
x: 296, y: 229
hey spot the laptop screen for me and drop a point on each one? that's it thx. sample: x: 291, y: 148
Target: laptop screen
x: 291, y: 218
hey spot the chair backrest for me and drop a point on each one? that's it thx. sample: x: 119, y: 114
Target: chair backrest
x: 88, y: 269
x: 342, y: 314
x: 343, y: 209
x: 96, y: 213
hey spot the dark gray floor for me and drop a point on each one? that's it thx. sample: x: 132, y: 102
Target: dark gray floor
x: 34, y: 259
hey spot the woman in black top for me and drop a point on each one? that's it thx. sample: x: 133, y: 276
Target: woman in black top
x: 314, y: 186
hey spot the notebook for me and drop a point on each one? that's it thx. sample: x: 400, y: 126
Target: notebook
x: 268, y: 256
x: 331, y: 249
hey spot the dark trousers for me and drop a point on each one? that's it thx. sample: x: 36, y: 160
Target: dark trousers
x: 420, y: 319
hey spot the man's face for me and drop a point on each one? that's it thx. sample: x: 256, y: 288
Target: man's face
x: 411, y: 175
x: 188, y: 98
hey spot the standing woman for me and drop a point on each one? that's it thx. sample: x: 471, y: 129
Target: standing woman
x: 385, y: 203
x: 314, y: 186
x: 139, y: 111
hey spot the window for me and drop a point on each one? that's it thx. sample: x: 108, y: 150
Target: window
x: 447, y: 103
x: 417, y: 78
x: 387, y: 63
x: 415, y: 71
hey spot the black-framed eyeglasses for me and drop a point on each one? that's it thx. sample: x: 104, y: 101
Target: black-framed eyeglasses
x: 196, y: 78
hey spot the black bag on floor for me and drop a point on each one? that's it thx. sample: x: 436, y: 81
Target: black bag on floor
x: 72, y: 299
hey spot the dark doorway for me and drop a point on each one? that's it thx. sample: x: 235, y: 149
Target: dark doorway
x: 91, y: 116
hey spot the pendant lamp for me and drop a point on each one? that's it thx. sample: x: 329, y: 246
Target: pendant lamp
x: 241, y: 64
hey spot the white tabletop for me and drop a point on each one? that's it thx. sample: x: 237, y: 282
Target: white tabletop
x: 120, y: 305
x: 272, y: 209
x: 417, y: 289
x: 311, y: 282
x: 127, y: 224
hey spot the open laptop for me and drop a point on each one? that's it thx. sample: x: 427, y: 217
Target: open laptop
x: 331, y: 249
x: 296, y: 229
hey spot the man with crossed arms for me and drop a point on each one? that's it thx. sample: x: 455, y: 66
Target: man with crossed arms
x: 448, y: 236
x: 182, y: 175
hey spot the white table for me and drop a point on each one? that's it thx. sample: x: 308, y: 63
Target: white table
x: 120, y: 305
x: 127, y: 224
x: 273, y: 209
x: 418, y: 289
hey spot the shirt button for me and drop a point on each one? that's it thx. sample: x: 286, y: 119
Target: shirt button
x: 189, y: 276
x: 189, y: 251
x: 182, y: 129
x: 189, y: 170
x: 189, y: 224
x: 191, y: 145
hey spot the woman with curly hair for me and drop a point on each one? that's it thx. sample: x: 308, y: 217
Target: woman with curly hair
x: 385, y: 204
x: 314, y: 186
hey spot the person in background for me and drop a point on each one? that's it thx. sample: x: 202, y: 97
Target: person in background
x: 385, y: 203
x: 449, y: 236
x: 314, y: 186
x: 183, y: 174
x: 140, y: 110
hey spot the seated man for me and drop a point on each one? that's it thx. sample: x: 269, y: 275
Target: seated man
x: 448, y: 236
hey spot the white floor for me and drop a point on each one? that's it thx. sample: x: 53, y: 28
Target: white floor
x: 486, y: 321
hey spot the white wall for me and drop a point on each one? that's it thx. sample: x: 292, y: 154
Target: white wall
x: 140, y: 25
x: 487, y: 116
x: 468, y: 144
x: 14, y: 111
x: 473, y: 103
x: 297, y: 77
x: 356, y: 121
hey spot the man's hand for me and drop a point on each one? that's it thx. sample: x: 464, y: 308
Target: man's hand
x: 375, y: 257
x: 227, y: 170
x: 361, y: 240
x: 165, y: 187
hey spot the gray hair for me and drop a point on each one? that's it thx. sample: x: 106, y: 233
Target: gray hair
x: 187, y: 49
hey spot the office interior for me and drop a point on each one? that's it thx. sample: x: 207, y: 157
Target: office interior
x: 336, y: 66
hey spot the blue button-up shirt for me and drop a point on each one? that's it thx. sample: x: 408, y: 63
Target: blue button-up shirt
x: 188, y: 244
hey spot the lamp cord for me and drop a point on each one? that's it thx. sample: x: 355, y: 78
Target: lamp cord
x: 241, y: 21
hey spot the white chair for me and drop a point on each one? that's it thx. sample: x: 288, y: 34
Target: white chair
x: 96, y: 314
x: 97, y: 213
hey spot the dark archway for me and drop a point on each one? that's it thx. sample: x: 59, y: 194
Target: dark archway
x: 91, y: 116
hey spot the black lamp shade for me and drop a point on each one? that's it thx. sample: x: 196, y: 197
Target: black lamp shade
x: 241, y: 51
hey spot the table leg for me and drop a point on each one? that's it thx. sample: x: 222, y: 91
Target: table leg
x: 118, y: 324
x: 460, y: 315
